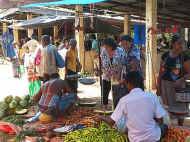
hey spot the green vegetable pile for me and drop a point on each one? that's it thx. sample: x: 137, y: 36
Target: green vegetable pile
x: 12, y: 104
x: 21, y: 136
x: 14, y: 119
x: 102, y: 134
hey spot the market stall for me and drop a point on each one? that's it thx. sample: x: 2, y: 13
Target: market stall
x: 81, y: 123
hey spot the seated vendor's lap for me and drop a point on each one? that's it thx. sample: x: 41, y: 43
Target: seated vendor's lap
x: 50, y: 107
x: 63, y: 104
x: 66, y: 102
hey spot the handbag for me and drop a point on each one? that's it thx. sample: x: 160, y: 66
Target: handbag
x: 37, y: 59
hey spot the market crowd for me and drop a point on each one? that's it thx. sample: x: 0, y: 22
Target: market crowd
x: 136, y: 112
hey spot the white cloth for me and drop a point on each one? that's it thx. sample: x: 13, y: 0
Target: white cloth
x: 63, y: 53
x: 32, y: 45
x: 27, y: 60
x: 140, y: 108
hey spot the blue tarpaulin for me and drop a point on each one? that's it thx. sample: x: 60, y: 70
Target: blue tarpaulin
x: 63, y: 2
x: 139, y: 34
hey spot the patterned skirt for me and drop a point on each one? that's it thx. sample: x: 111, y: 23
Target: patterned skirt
x: 169, y: 98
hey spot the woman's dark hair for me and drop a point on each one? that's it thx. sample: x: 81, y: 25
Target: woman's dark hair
x: 135, y: 79
x: 110, y: 42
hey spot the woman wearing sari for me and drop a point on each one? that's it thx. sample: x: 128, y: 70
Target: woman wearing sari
x: 174, y: 70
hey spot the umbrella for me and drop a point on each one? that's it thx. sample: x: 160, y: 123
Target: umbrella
x: 63, y: 2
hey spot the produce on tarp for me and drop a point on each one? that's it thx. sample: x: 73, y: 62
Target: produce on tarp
x: 14, y: 119
x: 12, y: 105
x: 21, y: 136
x: 8, y: 99
x: 103, y: 133
x: 45, y: 118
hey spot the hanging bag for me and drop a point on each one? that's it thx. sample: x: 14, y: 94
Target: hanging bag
x: 37, y: 59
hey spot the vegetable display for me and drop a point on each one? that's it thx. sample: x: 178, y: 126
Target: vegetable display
x: 21, y: 136
x: 11, y: 105
x: 14, y: 119
x: 102, y: 134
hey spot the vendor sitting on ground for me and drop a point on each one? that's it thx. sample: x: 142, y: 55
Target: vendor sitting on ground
x: 55, y: 98
x: 141, y: 111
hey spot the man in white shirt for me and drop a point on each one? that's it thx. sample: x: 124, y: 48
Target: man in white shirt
x: 142, y: 111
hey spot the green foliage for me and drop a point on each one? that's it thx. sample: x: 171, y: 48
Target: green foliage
x: 21, y: 136
x: 15, y: 119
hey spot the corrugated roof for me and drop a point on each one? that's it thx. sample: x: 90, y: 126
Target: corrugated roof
x: 37, y: 10
x: 41, y: 21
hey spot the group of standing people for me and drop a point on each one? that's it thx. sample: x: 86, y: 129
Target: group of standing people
x: 116, y: 62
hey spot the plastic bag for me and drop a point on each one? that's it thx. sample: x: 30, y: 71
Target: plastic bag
x: 34, y: 87
x: 167, y: 119
x: 9, y: 128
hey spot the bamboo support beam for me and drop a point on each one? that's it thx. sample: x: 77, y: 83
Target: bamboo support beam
x: 79, y: 34
x: 151, y: 44
x: 126, y: 25
x: 30, y: 30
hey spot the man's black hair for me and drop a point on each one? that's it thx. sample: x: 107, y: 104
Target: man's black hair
x: 126, y: 38
x: 34, y: 37
x: 46, y: 38
x: 93, y: 36
x: 135, y: 79
x: 110, y: 42
x: 175, y: 38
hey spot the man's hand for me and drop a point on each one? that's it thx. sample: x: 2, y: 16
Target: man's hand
x: 159, y: 120
x: 107, y: 120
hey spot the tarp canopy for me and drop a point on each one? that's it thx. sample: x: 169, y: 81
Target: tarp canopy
x: 8, y: 12
x: 44, y: 21
x: 100, y: 25
x: 35, y: 10
x: 64, y: 2
x: 16, y: 3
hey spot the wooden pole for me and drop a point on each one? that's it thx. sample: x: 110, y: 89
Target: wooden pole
x: 15, y: 33
x: 4, y: 27
x: 30, y: 30
x: 151, y: 44
x: 55, y: 32
x: 126, y: 25
x: 79, y: 34
x: 39, y: 33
